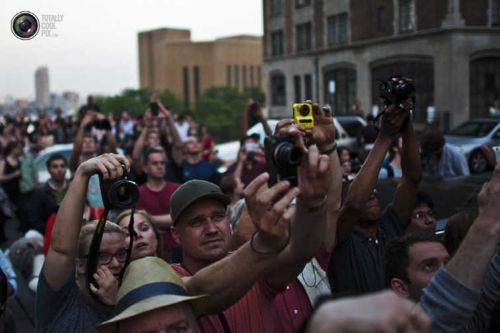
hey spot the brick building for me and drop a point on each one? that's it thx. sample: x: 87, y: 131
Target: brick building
x: 168, y: 59
x: 334, y: 50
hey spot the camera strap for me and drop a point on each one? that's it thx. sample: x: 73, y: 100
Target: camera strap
x: 132, y: 234
x: 93, y: 255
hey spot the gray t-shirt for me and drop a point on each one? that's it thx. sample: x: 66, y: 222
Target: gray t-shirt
x: 67, y: 310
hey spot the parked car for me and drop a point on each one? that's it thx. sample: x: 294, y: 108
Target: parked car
x: 227, y: 152
x: 64, y: 149
x: 469, y: 136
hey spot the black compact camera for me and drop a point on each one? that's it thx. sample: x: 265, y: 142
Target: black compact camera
x: 154, y: 109
x: 396, y: 90
x: 120, y: 193
x: 283, y: 158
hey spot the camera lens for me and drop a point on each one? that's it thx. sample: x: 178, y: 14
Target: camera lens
x: 404, y: 90
x: 304, y: 110
x: 123, y: 194
x: 25, y: 25
x: 286, y: 155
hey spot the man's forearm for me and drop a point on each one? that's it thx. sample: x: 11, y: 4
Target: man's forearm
x: 471, y: 261
x: 410, y: 161
x: 333, y: 201
x: 162, y: 221
x: 228, y: 279
x: 64, y: 237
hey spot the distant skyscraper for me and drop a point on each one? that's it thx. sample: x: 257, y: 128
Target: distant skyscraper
x: 42, y: 87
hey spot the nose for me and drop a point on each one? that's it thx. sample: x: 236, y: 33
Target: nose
x: 114, y: 264
x: 210, y: 227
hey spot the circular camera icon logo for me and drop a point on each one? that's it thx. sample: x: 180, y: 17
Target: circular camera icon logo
x: 25, y: 25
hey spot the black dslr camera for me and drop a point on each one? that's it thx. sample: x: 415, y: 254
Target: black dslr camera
x: 120, y: 193
x: 100, y: 124
x: 283, y: 158
x: 396, y: 90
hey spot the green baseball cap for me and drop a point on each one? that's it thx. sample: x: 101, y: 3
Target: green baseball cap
x: 192, y: 191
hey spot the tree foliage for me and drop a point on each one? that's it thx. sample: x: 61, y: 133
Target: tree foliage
x: 136, y: 101
x: 221, y: 110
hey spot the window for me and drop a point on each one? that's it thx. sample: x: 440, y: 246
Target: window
x: 340, y: 89
x: 278, y: 89
x: 277, y: 43
x: 196, y: 79
x: 276, y: 8
x: 337, y: 26
x: 304, y: 37
x: 297, y: 88
x: 259, y: 77
x: 251, y: 76
x: 244, y: 73
x: 228, y: 75
x: 332, y: 30
x: 495, y: 12
x: 237, y: 77
x: 308, y: 87
x: 406, y: 15
x: 380, y: 18
x: 302, y: 3
x: 185, y: 84
x: 343, y: 28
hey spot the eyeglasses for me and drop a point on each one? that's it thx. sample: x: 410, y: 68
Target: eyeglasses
x: 104, y: 258
x: 215, y: 217
x: 422, y: 215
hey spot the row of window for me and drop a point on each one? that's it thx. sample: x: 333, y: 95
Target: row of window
x: 276, y: 6
x: 186, y: 85
x: 337, y: 26
x: 250, y: 76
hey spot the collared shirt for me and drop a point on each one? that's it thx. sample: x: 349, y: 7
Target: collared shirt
x: 357, y: 263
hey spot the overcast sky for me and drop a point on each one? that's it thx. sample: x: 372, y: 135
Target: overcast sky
x: 96, y: 47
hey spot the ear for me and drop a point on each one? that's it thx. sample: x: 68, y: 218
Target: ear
x: 80, y: 266
x: 175, y: 235
x: 400, y: 287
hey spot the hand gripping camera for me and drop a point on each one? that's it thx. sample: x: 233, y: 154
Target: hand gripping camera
x: 283, y: 158
x: 303, y: 115
x: 120, y: 193
x: 396, y: 90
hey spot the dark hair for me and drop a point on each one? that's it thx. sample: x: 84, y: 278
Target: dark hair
x: 397, y: 254
x: 424, y: 198
x: 431, y: 140
x: 55, y: 157
x: 11, y: 145
x: 4, y: 288
x: 153, y: 150
x: 228, y: 184
x: 456, y: 228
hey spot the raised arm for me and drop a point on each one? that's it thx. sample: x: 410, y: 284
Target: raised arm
x: 78, y: 141
x: 60, y: 261
x: 231, y: 277
x: 308, y: 226
x: 137, y: 152
x: 406, y: 192
x: 363, y: 184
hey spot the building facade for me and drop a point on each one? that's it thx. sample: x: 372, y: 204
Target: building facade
x: 168, y: 59
x: 42, y: 95
x: 334, y: 51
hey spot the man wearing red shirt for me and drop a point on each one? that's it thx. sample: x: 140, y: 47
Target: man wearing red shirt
x: 154, y: 195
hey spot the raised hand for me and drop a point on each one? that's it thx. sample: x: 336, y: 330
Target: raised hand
x: 314, y: 177
x: 489, y: 200
x: 107, y: 286
x: 323, y: 133
x: 392, y: 121
x: 109, y: 165
x: 271, y: 211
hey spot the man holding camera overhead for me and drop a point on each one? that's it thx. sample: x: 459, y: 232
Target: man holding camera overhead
x: 356, y: 265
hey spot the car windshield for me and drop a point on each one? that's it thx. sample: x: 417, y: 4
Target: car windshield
x: 473, y: 129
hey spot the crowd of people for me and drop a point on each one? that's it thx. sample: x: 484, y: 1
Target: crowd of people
x: 201, y: 251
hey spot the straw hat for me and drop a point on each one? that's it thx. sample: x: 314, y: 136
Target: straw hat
x: 149, y: 283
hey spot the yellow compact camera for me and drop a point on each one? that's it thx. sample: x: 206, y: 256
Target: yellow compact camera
x: 303, y: 115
